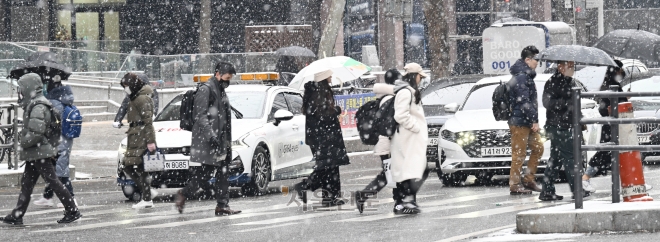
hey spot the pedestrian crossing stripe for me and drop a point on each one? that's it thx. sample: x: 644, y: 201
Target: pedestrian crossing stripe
x: 206, y: 220
x: 372, y: 218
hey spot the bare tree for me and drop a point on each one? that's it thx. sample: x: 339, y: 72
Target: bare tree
x: 438, y: 38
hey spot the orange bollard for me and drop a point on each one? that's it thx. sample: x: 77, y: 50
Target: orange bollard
x: 630, y: 162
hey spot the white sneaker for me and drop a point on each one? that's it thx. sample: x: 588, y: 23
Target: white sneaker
x: 586, y: 185
x: 144, y: 204
x: 60, y: 205
x: 44, y: 202
x: 648, y: 186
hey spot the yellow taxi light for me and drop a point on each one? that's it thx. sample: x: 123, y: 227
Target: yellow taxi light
x: 202, y: 77
x: 262, y: 76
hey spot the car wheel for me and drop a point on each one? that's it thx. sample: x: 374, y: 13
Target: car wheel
x: 131, y: 192
x: 261, y: 171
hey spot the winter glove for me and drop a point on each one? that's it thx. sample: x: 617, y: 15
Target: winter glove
x: 151, y: 147
x: 215, y: 142
x: 117, y: 125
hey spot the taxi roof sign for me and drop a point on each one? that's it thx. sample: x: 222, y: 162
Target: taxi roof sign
x: 252, y: 76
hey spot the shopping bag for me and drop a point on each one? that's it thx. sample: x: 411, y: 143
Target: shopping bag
x: 153, y: 162
x: 388, y: 174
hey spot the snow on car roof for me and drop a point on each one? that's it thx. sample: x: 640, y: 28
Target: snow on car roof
x: 506, y: 78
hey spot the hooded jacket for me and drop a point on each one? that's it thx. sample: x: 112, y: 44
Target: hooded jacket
x: 557, y: 101
x: 60, y: 96
x: 140, y: 113
x: 34, y: 144
x: 124, y: 104
x: 523, y: 95
x: 408, y: 144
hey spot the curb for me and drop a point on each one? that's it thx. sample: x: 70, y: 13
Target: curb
x: 598, y: 216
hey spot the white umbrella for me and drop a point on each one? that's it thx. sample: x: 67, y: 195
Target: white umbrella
x: 344, y: 69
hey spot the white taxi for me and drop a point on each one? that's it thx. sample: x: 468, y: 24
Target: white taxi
x: 268, y: 141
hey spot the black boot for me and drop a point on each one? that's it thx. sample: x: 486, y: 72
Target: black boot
x: 361, y: 198
x: 10, y: 219
x: 550, y: 197
x: 70, y: 217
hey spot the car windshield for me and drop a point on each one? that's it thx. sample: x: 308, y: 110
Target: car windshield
x: 447, y: 95
x: 646, y: 85
x: 250, y: 104
x: 481, y: 97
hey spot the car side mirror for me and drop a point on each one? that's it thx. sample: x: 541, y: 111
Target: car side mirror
x: 588, y: 104
x: 282, y: 115
x: 451, y: 108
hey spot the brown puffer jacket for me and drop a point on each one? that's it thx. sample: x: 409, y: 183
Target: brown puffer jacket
x: 141, y: 131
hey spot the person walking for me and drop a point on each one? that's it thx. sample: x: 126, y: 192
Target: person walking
x: 384, y: 92
x: 211, y: 140
x: 524, y: 123
x: 559, y: 114
x: 602, y: 160
x: 324, y: 137
x: 141, y: 135
x: 123, y: 109
x: 408, y: 144
x: 39, y: 140
x: 59, y: 96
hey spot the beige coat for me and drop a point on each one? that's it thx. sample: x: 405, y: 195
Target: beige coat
x: 408, y: 146
x: 383, y: 145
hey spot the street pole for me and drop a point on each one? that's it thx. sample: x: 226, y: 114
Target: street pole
x: 616, y: 179
x: 577, y: 149
x: 581, y: 21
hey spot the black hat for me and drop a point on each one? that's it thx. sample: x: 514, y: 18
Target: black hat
x: 225, y: 68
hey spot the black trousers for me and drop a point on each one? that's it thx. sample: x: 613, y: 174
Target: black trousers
x: 200, y: 177
x: 141, y: 179
x: 48, y: 192
x: 45, y: 168
x: 327, y: 179
x: 379, y: 183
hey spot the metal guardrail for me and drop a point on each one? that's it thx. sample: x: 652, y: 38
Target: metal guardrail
x: 12, y: 120
x: 614, y: 146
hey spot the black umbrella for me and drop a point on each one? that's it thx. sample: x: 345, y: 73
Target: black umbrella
x: 579, y: 54
x: 296, y: 51
x: 42, y: 63
x: 631, y: 44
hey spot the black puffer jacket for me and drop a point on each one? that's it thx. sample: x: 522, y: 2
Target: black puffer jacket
x: 523, y: 95
x: 557, y: 101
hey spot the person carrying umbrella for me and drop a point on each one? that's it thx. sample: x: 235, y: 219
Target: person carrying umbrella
x: 324, y: 136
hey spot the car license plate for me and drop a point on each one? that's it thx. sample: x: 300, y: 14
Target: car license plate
x: 643, y: 139
x: 433, y: 141
x: 176, y: 165
x: 496, y: 151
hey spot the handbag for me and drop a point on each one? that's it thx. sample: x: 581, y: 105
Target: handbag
x: 153, y: 162
x: 388, y: 173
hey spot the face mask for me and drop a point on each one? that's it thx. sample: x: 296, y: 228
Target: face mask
x: 127, y: 90
x: 618, y: 78
x: 225, y: 84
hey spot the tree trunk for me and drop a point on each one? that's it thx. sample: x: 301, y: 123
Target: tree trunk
x: 205, y: 27
x: 331, y: 27
x: 438, y: 38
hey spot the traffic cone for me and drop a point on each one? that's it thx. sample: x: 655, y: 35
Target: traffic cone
x: 630, y: 162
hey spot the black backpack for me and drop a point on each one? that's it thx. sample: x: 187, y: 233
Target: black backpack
x: 367, y: 121
x: 54, y: 130
x: 186, y: 114
x: 501, y: 102
x: 387, y: 125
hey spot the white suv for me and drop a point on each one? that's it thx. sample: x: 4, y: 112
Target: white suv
x: 475, y: 144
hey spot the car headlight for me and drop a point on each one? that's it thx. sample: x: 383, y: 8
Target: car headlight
x: 544, y: 137
x: 448, y: 135
x: 465, y: 138
x: 240, y: 142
